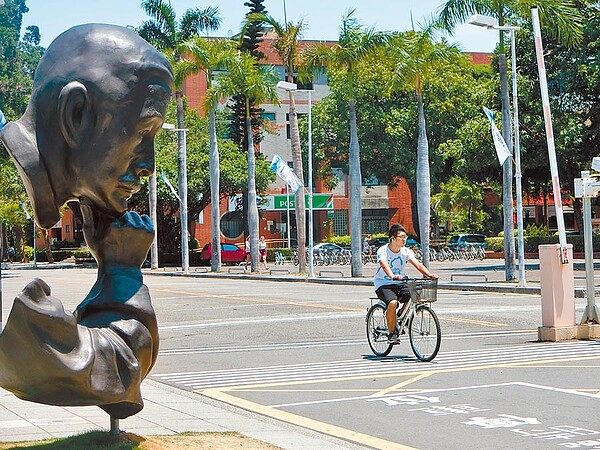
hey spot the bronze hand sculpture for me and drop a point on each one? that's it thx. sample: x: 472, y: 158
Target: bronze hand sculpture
x: 99, y: 97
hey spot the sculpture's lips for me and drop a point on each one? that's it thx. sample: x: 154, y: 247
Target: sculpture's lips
x: 129, y: 188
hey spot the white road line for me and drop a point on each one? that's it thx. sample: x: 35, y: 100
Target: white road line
x: 353, y: 368
x: 334, y: 316
x: 432, y: 391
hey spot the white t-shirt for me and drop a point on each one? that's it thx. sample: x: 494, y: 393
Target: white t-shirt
x: 396, y: 261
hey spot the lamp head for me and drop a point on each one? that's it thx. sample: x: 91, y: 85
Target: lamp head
x: 285, y: 85
x: 482, y: 21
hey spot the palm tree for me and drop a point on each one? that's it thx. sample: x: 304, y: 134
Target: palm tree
x: 563, y: 21
x: 354, y: 44
x: 415, y: 56
x: 165, y: 33
x: 287, y: 48
x: 203, y: 55
x: 255, y: 82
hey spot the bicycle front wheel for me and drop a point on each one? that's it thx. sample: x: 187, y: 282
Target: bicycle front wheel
x: 425, y: 333
x: 377, y: 331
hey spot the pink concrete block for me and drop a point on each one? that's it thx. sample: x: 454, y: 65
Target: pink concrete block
x: 557, y: 287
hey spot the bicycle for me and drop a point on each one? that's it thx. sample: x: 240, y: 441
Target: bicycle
x: 418, y: 319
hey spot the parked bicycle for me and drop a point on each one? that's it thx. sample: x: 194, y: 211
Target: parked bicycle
x: 418, y: 320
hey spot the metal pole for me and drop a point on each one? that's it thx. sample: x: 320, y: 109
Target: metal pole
x: 590, y: 313
x: 114, y: 426
x: 1, y: 263
x: 311, y: 273
x: 520, y: 239
x: 152, y: 206
x: 34, y: 245
x: 185, y: 266
x: 287, y: 202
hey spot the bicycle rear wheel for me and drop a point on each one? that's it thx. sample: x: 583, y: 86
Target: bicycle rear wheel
x: 377, y: 331
x: 425, y: 333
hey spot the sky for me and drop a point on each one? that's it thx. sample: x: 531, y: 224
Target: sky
x: 323, y: 17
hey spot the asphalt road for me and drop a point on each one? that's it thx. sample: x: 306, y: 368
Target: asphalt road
x: 297, y: 352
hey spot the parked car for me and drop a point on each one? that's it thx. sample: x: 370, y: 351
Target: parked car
x: 375, y: 243
x: 327, y: 246
x: 230, y: 254
x: 461, y: 241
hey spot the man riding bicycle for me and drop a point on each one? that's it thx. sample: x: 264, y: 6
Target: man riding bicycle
x: 389, y: 277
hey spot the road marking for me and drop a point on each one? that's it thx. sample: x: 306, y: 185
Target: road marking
x: 305, y: 422
x: 282, y: 319
x: 261, y: 300
x: 322, y: 344
x: 402, y: 384
x: 329, y: 371
x: 472, y: 321
x: 433, y: 391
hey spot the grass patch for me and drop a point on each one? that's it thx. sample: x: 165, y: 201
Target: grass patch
x: 103, y: 440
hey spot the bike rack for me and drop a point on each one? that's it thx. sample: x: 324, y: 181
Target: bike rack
x: 278, y: 270
x: 236, y: 269
x: 485, y: 277
x: 201, y: 269
x: 321, y: 272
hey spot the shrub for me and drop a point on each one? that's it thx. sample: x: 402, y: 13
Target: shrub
x: 342, y: 241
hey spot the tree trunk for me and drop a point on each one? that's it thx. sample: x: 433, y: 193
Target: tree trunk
x: 355, y: 183
x: 252, y: 206
x: 423, y: 182
x: 19, y: 244
x: 507, y: 192
x: 182, y: 174
x: 299, y: 196
x: 47, y: 248
x: 215, y: 215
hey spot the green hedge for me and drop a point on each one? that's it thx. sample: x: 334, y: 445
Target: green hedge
x: 59, y: 255
x: 532, y: 243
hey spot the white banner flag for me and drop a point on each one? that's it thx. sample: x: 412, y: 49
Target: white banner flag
x: 168, y: 183
x: 501, y: 148
x: 285, y: 173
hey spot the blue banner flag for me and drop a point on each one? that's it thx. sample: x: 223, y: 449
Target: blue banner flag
x: 285, y: 173
x: 3, y: 120
x: 502, y: 150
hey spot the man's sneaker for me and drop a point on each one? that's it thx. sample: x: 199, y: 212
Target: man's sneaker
x: 393, y: 338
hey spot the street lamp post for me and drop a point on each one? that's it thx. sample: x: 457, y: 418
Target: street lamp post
x: 181, y: 158
x: 490, y: 24
x: 294, y: 87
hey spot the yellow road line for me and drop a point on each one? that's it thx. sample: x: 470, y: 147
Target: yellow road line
x: 476, y: 322
x: 305, y: 422
x: 401, y: 384
x: 262, y: 300
x: 399, y: 374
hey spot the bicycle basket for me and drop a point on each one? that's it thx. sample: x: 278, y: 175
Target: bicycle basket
x: 423, y: 290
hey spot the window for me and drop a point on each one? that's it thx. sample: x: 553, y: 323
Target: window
x: 375, y: 221
x: 268, y: 116
x: 232, y: 226
x: 340, y: 222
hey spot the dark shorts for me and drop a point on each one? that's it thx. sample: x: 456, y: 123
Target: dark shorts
x: 263, y: 251
x: 390, y: 292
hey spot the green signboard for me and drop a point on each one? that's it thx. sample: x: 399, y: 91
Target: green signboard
x: 280, y: 202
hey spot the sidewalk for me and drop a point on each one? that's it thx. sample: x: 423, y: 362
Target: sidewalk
x: 167, y: 411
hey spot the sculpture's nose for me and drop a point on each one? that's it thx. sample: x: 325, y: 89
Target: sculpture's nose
x: 144, y: 164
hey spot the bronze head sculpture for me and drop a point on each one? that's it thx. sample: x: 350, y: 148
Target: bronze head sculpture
x: 99, y: 97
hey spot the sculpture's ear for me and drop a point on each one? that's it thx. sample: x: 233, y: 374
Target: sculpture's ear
x: 74, y: 109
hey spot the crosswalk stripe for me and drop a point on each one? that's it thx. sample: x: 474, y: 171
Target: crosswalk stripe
x: 381, y: 366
